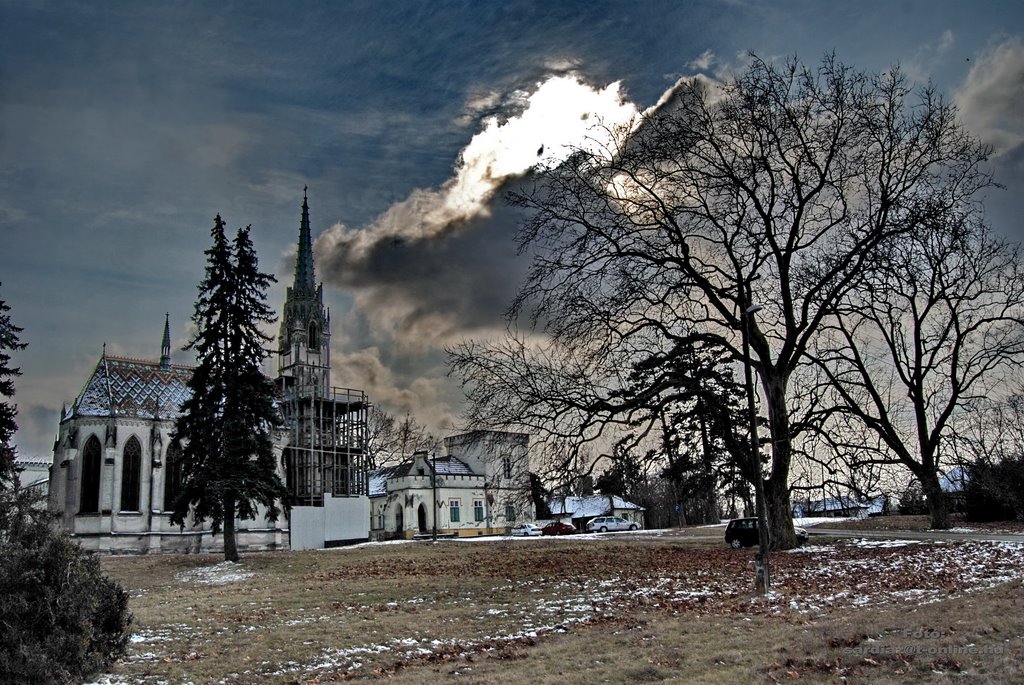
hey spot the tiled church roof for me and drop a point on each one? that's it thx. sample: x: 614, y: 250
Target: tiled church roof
x: 130, y: 387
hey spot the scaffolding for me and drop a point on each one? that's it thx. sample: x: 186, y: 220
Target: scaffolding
x: 325, y: 445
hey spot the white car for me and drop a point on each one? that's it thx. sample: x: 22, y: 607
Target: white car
x: 603, y: 524
x: 526, y: 529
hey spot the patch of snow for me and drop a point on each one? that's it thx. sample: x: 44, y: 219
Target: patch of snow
x: 218, y: 574
x: 812, y: 549
x: 875, y: 543
x: 814, y: 520
x: 363, y: 545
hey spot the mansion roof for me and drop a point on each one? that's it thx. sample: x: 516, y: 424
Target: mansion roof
x: 589, y: 506
x: 133, y: 388
x: 444, y: 466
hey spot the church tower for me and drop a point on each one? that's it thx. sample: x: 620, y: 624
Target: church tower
x: 304, y: 347
x: 324, y: 433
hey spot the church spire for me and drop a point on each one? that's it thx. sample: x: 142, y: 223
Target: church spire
x: 304, y: 278
x: 165, y: 347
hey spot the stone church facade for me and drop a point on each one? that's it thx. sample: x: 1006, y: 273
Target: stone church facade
x: 115, y: 471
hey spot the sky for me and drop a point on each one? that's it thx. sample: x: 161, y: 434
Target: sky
x: 125, y: 127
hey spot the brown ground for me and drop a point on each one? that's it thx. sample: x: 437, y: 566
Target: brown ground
x: 579, y: 611
x: 900, y: 522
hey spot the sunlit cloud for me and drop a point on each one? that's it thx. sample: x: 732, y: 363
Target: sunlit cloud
x: 440, y: 265
x: 704, y: 62
x: 558, y: 117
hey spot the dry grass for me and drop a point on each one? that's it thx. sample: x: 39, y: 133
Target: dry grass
x: 539, y: 611
x: 920, y: 523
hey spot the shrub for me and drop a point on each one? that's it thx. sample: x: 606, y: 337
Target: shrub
x: 61, y: 620
x: 912, y: 500
x: 995, y: 492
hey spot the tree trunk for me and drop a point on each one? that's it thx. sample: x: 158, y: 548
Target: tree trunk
x: 938, y: 503
x: 776, y: 488
x: 780, y: 513
x: 230, y: 545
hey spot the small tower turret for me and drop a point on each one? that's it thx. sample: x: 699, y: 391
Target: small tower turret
x: 165, y: 346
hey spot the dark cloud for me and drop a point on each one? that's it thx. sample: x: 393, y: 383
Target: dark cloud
x: 125, y: 126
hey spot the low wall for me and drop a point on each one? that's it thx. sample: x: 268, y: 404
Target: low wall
x: 341, y: 521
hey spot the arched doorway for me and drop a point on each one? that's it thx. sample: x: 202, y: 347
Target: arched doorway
x: 422, y: 515
x: 399, y: 524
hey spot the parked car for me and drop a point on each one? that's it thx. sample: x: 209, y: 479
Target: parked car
x: 526, y: 529
x: 558, y: 528
x: 602, y: 524
x: 743, y: 533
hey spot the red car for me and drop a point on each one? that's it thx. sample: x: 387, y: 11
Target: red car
x: 558, y: 528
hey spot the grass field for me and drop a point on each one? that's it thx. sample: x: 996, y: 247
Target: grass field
x: 577, y: 610
x: 921, y: 523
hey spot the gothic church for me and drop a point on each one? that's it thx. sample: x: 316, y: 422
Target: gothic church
x: 115, y: 472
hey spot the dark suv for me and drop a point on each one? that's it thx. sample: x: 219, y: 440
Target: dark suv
x: 743, y: 533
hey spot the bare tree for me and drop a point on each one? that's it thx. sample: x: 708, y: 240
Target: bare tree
x: 991, y: 430
x: 936, y: 326
x: 775, y: 188
x: 391, y: 440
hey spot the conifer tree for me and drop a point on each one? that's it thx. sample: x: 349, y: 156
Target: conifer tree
x: 8, y: 342
x: 225, y: 427
x: 250, y: 475
x: 61, y: 619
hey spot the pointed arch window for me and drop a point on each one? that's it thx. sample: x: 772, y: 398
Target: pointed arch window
x: 172, y: 477
x: 89, y: 501
x: 314, y: 336
x: 131, y: 475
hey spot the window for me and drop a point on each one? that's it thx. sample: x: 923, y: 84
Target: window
x: 453, y: 510
x: 172, y: 477
x: 89, y: 503
x: 131, y: 472
x: 510, y: 512
x: 507, y: 464
x: 314, y: 337
x: 478, y: 510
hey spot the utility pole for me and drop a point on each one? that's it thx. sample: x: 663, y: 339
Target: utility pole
x: 762, y: 582
x: 433, y: 486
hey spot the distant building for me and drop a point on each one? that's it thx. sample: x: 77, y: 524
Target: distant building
x: 579, y: 510
x: 115, y: 473
x: 34, y: 473
x: 481, y: 487
x: 842, y: 507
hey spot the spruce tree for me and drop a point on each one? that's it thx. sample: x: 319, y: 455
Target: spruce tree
x: 250, y: 475
x: 225, y: 427
x: 198, y: 428
x: 8, y: 342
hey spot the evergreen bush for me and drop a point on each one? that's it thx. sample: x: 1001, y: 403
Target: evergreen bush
x: 995, y: 492
x: 61, y: 619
